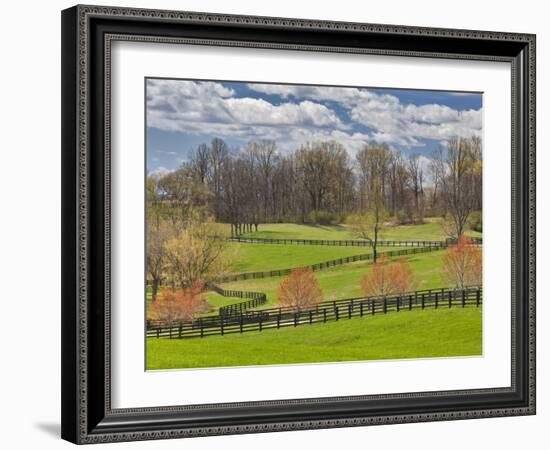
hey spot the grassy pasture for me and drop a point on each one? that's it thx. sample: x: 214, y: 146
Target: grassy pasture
x: 336, y: 282
x: 343, y: 281
x: 431, y: 230
x: 265, y: 257
x: 415, y: 334
x: 408, y: 334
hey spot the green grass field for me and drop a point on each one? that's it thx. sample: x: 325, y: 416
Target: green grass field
x: 336, y: 282
x: 416, y: 334
x: 259, y: 257
x: 409, y: 334
x: 342, y: 281
x: 431, y: 230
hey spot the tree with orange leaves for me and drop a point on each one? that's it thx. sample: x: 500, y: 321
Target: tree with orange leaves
x: 299, y: 290
x: 462, y: 263
x: 388, y: 278
x: 181, y: 305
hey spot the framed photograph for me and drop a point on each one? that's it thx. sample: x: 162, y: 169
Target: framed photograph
x: 279, y: 224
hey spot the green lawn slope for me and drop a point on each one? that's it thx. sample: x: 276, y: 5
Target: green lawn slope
x: 408, y: 334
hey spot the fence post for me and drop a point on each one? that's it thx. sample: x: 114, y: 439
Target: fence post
x: 436, y: 300
x: 324, y: 315
x: 295, y: 319
x: 478, y: 297
x: 398, y: 300
x: 260, y: 324
x: 463, y: 299
x: 373, y: 307
x: 158, y: 332
x: 310, y: 317
x: 385, y: 305
x: 202, y: 329
x: 361, y: 309
x: 337, y: 313
x: 410, y: 302
x: 422, y: 300
x: 450, y: 299
x: 179, y: 331
x: 279, y: 321
x: 349, y: 310
x: 221, y: 325
x: 241, y: 323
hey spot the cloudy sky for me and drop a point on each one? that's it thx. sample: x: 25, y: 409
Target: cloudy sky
x: 182, y: 114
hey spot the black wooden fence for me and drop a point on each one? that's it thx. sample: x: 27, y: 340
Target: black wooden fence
x: 256, y: 299
x: 325, y: 265
x: 349, y: 243
x: 327, y: 311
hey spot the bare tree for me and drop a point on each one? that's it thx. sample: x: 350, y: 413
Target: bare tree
x: 369, y: 225
x: 200, y: 162
x: 416, y: 177
x: 265, y: 155
x: 217, y: 158
x: 323, y: 171
x: 362, y: 163
x: 455, y: 170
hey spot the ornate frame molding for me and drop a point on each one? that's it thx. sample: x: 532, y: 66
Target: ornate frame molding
x: 80, y: 418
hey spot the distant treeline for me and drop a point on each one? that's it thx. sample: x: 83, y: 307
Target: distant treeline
x: 321, y: 183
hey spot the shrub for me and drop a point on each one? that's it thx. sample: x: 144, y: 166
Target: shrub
x: 299, y: 290
x: 402, y: 218
x: 321, y: 217
x: 475, y: 221
x: 180, y: 305
x: 388, y: 278
x: 462, y: 263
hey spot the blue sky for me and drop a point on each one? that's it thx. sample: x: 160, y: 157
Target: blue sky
x: 182, y: 114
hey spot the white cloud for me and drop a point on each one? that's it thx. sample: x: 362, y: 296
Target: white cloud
x: 347, y: 96
x: 252, y: 111
x: 305, y: 114
x: 393, y: 121
x: 198, y: 107
x: 406, y: 124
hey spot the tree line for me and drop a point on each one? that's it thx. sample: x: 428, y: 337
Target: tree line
x: 320, y: 183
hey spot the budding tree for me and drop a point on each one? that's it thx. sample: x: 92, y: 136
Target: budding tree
x: 158, y: 233
x: 369, y: 225
x: 462, y: 263
x: 388, y: 278
x: 181, y: 305
x: 198, y: 253
x: 300, y: 290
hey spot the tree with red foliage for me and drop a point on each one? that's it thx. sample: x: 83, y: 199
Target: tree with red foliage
x: 181, y: 305
x: 388, y: 278
x: 299, y: 290
x: 462, y: 263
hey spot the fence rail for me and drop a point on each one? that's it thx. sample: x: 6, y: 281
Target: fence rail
x: 256, y: 299
x: 328, y: 311
x: 349, y: 242
x: 325, y: 264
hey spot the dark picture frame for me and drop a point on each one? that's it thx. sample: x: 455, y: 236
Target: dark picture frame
x: 87, y: 34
